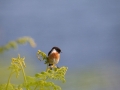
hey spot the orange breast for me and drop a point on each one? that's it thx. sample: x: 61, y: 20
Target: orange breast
x: 53, y: 58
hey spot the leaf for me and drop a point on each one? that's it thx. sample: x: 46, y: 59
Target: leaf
x: 41, y: 54
x: 30, y: 79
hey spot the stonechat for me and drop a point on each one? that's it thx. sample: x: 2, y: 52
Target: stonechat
x: 53, y: 57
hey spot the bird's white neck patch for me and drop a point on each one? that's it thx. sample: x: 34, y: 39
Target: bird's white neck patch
x: 53, y: 51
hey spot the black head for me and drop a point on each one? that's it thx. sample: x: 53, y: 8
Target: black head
x: 56, y: 48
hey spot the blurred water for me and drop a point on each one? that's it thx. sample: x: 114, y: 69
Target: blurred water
x: 86, y: 31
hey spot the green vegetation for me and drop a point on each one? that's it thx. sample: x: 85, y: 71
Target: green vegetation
x: 40, y: 81
x: 15, y: 43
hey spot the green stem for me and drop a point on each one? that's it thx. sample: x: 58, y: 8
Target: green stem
x: 23, y: 73
x: 47, y: 68
x: 9, y: 80
x: 25, y: 80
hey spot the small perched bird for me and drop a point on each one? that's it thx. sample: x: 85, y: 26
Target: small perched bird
x: 53, y: 57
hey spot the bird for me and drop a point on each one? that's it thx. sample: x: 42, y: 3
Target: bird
x: 53, y: 57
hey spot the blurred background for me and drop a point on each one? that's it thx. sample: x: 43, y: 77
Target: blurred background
x: 87, y: 31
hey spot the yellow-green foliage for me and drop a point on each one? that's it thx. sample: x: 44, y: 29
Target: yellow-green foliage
x: 14, y: 44
x: 56, y: 74
x: 42, y: 55
x: 41, y: 81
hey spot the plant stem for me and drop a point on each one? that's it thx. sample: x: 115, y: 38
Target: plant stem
x: 9, y: 80
x: 47, y: 68
x: 23, y: 73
